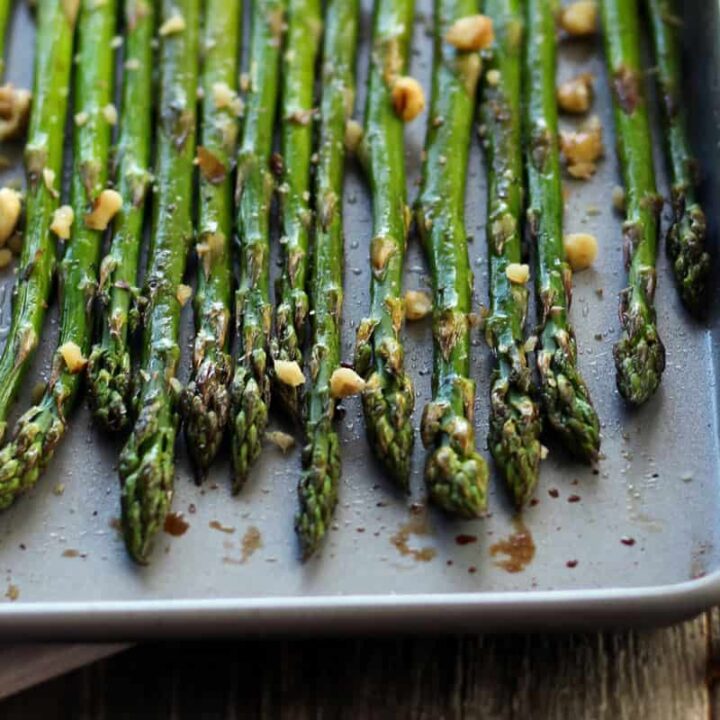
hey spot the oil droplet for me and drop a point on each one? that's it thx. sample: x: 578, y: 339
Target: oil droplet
x: 518, y: 549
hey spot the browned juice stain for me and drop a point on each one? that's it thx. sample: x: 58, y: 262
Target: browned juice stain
x: 12, y: 593
x: 465, y: 539
x: 176, y: 524
x: 252, y: 541
x: 517, y: 551
x: 73, y: 553
x: 217, y: 525
x: 116, y: 524
x: 417, y: 526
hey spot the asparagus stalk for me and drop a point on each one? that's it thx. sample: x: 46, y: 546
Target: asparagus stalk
x: 388, y: 398
x: 109, y: 367
x: 43, y: 158
x: 318, y: 488
x: 42, y: 427
x: 514, y: 437
x: 250, y: 389
x: 566, y: 399
x: 455, y: 473
x: 206, y: 401
x: 686, y: 238
x: 303, y: 42
x: 147, y: 463
x: 639, y: 354
x: 5, y: 10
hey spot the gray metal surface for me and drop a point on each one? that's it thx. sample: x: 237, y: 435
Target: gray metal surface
x: 658, y: 481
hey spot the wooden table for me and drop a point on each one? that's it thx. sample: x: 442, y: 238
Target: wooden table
x: 671, y: 673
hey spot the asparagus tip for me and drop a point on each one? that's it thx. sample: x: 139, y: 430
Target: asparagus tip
x: 567, y: 403
x: 205, y: 406
x: 146, y: 475
x: 388, y: 410
x: 22, y: 461
x: 514, y: 438
x: 691, y: 262
x: 109, y: 384
x: 318, y: 487
x: 455, y: 473
x: 249, y: 407
x: 640, y: 361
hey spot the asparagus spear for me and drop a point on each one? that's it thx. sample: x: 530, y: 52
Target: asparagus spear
x: 304, y: 34
x: 41, y: 428
x: 109, y: 367
x: 43, y: 158
x: 639, y: 354
x: 205, y: 401
x: 456, y: 474
x: 686, y: 238
x: 388, y: 398
x: 147, y: 463
x: 565, y: 396
x: 250, y: 389
x: 514, y: 415
x: 318, y: 488
x: 5, y: 9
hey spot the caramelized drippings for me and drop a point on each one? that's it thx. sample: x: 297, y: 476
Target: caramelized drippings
x: 518, y: 549
x: 217, y: 525
x: 176, y: 524
x: 417, y: 525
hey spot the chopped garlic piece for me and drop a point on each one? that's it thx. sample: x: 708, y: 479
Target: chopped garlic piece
x: 579, y: 19
x: 474, y: 32
x: 110, y: 114
x: 518, y: 273
x: 172, y: 26
x: 81, y: 118
x: 73, y: 357
x: 353, y: 135
x: 417, y: 305
x: 575, y: 95
x: 10, y: 207
x: 581, y: 250
x: 281, y: 440
x: 63, y: 219
x: 49, y: 180
x: 106, y: 207
x: 183, y: 294
x: 14, y: 111
x: 493, y: 77
x: 345, y: 382
x: 408, y: 98
x: 289, y: 373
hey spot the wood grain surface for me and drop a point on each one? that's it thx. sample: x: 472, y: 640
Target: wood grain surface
x: 668, y: 674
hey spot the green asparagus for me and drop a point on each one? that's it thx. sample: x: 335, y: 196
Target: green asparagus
x: 42, y: 427
x: 147, y: 463
x: 455, y: 473
x: 5, y: 10
x: 318, y: 488
x: 250, y: 389
x: 686, y: 238
x: 109, y: 367
x: 639, y: 354
x: 206, y: 401
x: 566, y: 399
x: 43, y: 160
x: 514, y: 437
x: 303, y: 42
x: 389, y: 397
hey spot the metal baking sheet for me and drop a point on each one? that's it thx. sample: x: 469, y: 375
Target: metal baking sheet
x: 389, y: 564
